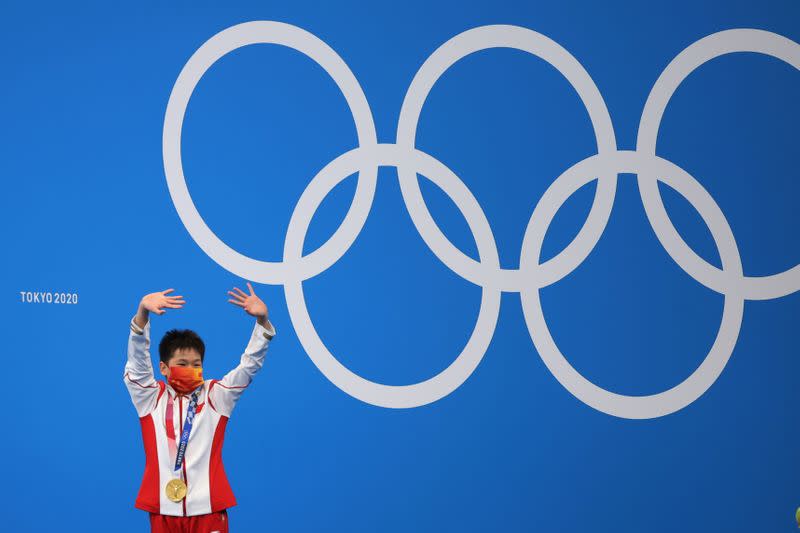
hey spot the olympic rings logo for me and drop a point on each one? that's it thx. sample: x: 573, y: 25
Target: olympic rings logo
x: 531, y: 275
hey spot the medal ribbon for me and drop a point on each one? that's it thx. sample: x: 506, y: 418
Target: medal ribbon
x: 187, y: 429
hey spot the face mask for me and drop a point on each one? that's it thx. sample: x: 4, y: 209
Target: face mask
x: 185, y: 379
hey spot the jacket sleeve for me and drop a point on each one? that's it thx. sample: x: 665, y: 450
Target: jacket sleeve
x: 138, y: 375
x: 224, y: 393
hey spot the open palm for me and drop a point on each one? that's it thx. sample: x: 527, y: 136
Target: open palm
x: 159, y: 302
x: 251, y: 303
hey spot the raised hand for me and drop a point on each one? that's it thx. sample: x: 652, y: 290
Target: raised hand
x: 159, y: 302
x: 251, y: 303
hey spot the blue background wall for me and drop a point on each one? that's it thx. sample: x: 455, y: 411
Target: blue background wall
x: 86, y: 210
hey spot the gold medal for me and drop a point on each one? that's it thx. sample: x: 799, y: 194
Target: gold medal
x: 176, y: 490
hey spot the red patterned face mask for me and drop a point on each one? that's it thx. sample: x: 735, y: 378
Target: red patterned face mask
x: 185, y: 379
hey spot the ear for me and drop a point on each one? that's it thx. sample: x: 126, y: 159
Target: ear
x: 162, y: 366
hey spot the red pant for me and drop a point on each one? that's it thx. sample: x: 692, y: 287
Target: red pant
x: 203, y: 523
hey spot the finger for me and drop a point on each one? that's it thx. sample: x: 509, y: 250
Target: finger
x: 236, y: 296
x: 240, y: 292
x: 251, y: 289
x: 174, y: 306
x: 159, y: 311
x: 234, y: 302
x: 167, y: 291
x: 179, y: 297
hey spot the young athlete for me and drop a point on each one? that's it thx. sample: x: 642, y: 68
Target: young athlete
x: 183, y: 419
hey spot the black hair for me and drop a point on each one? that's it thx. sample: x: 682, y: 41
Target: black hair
x: 176, y: 339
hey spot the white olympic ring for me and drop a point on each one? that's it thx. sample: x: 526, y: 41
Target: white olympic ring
x: 531, y: 275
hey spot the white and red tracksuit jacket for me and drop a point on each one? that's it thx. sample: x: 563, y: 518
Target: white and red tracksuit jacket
x: 208, y: 488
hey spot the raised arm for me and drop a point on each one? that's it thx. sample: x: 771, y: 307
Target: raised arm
x: 226, y: 392
x: 138, y: 375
